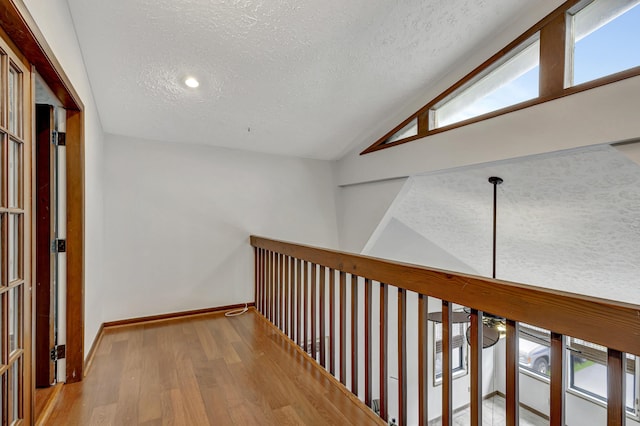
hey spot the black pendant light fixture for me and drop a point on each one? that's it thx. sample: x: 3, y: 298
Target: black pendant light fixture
x: 493, y: 327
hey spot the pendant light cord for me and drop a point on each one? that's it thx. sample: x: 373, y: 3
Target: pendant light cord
x: 495, y: 181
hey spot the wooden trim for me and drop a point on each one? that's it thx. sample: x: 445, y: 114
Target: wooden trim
x: 374, y: 418
x: 299, y: 302
x: 292, y: 300
x: 384, y: 345
x: 42, y: 287
x: 43, y: 416
x: 286, y: 263
x: 557, y: 389
x: 616, y: 383
x: 75, y: 169
x: 305, y: 312
x: 552, y: 78
x: 476, y: 337
x: 174, y: 315
x: 609, y: 323
x: 88, y: 361
x: 552, y: 56
x: 512, y: 399
x: 278, y: 291
x: 343, y: 328
x: 332, y: 321
x: 314, y: 309
x: 323, y: 317
x: 423, y: 360
x: 368, y: 345
x: 272, y: 285
x: 260, y: 298
x: 447, y: 370
x: 402, y: 357
x: 354, y: 334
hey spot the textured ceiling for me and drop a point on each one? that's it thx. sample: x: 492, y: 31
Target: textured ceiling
x: 295, y: 77
x: 569, y: 221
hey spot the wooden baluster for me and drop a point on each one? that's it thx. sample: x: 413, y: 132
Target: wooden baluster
x: 256, y: 291
x: 476, y: 339
x: 616, y: 392
x: 274, y: 256
x: 354, y: 334
x: 332, y: 321
x: 314, y: 312
x: 292, y: 294
x: 323, y: 317
x: 265, y: 300
x: 513, y: 374
x: 276, y: 291
x: 269, y: 258
x: 447, y: 367
x: 282, y: 292
x: 368, y: 385
x: 402, y: 356
x: 285, y: 324
x: 557, y: 390
x: 384, y: 336
x: 423, y: 363
x: 305, y: 296
x: 299, y: 299
x: 343, y: 328
x: 259, y: 298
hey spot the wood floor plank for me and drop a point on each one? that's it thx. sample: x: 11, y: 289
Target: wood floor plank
x: 103, y: 415
x: 204, y: 371
x: 215, y: 405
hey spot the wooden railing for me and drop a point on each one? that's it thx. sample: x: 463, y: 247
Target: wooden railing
x: 294, y: 283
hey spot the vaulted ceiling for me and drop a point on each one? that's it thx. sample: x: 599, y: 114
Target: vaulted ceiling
x: 566, y: 220
x: 294, y: 77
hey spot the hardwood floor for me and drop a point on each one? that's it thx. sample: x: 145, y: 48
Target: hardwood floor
x: 206, y: 370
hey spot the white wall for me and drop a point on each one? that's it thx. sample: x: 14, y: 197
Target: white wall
x: 360, y: 209
x: 179, y: 217
x: 54, y: 20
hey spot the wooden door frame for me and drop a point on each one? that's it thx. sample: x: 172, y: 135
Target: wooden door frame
x: 20, y: 26
x: 44, y: 215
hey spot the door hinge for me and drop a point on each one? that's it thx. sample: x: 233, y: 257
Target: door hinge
x: 59, y: 246
x: 59, y: 138
x: 58, y: 352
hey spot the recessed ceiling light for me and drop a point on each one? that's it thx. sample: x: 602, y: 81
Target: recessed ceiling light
x: 192, y: 82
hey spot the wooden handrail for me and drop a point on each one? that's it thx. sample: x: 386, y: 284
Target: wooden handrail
x: 613, y: 324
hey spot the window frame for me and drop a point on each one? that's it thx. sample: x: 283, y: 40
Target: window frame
x: 599, y: 357
x: 543, y: 338
x: 459, y: 342
x: 553, y: 78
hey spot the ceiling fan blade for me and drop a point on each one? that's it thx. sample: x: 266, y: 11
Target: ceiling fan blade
x: 490, y: 335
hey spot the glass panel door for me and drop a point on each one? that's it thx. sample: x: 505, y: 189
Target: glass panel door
x: 15, y: 233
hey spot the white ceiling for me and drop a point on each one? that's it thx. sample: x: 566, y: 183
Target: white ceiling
x: 569, y: 221
x: 294, y: 77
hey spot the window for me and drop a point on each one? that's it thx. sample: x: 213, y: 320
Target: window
x: 511, y: 80
x: 588, y: 372
x: 540, y: 65
x: 407, y: 131
x: 458, y: 354
x: 534, y: 350
x: 604, y: 36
